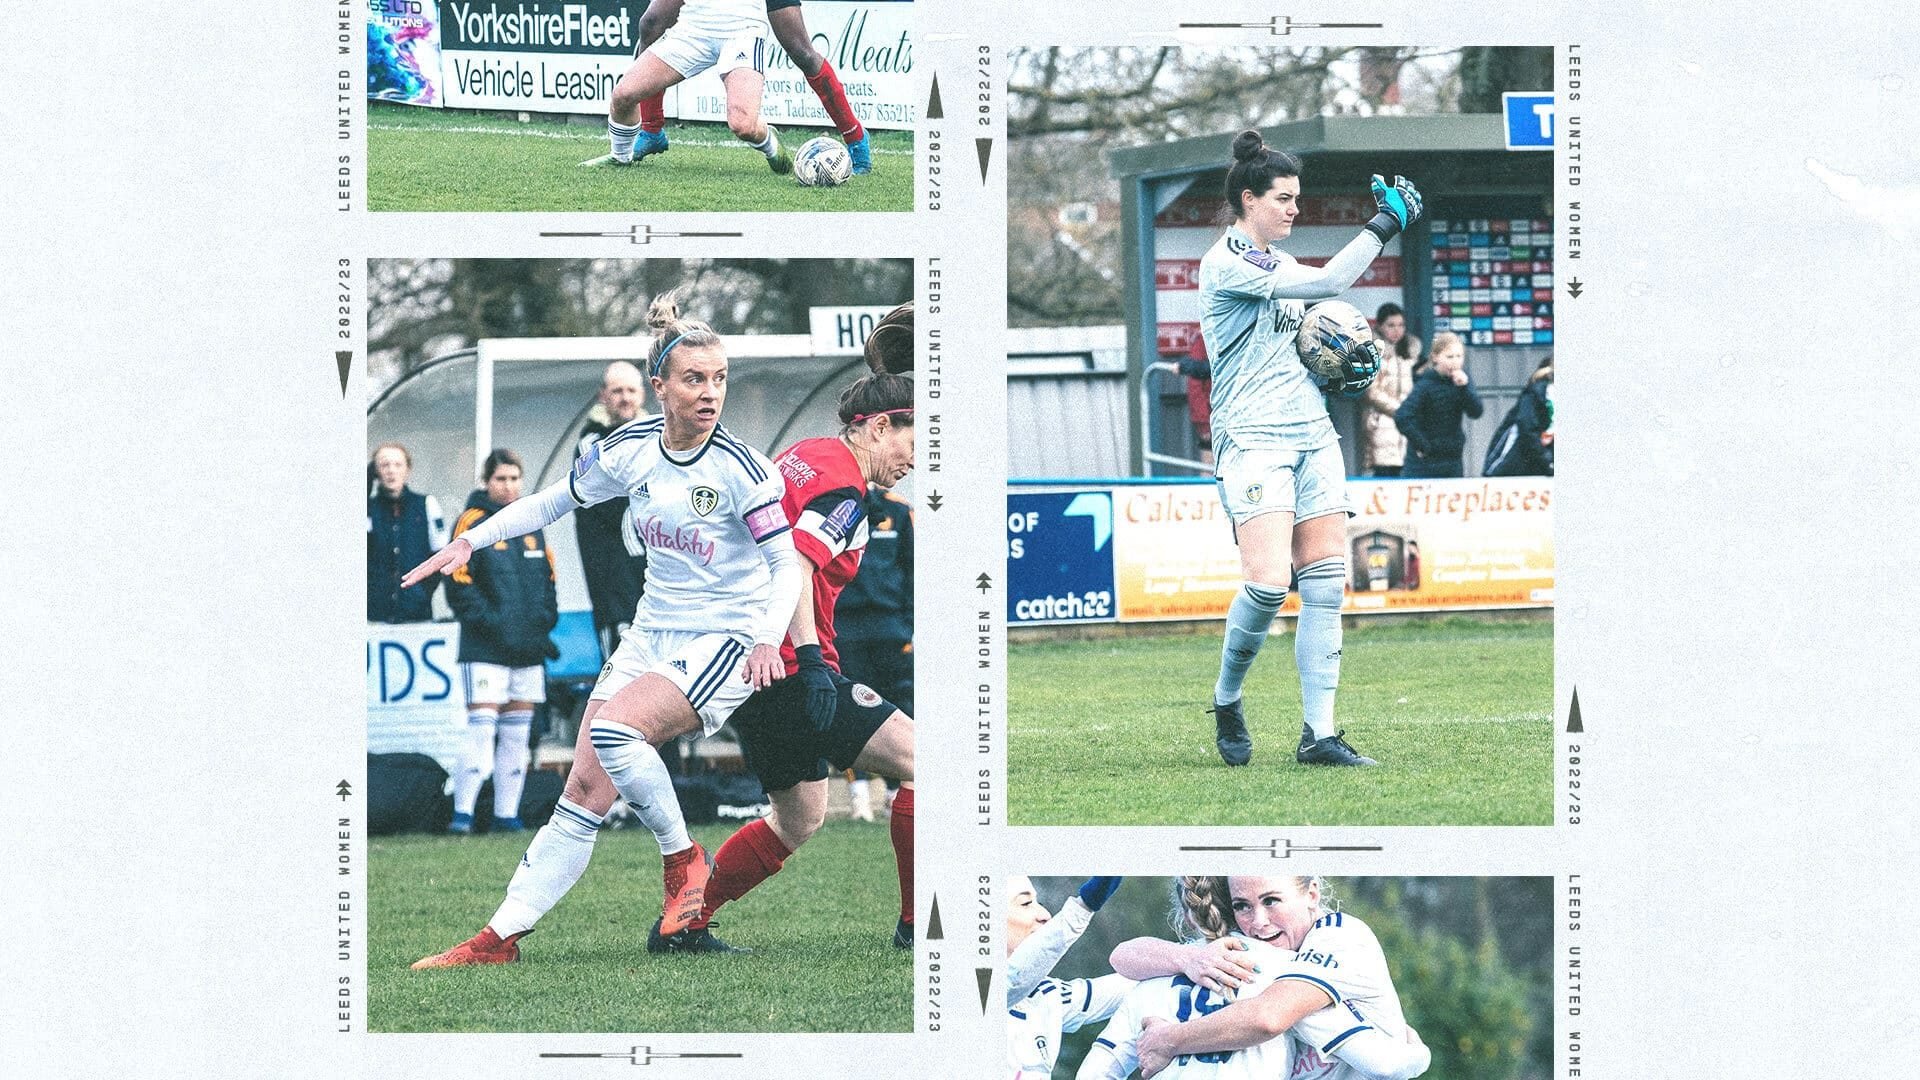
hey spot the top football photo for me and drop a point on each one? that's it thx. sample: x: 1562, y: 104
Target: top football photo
x: 1280, y: 541
x: 629, y: 105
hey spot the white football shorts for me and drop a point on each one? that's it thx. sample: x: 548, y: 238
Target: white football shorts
x: 710, y: 669
x: 497, y: 684
x: 1305, y: 483
x: 691, y: 51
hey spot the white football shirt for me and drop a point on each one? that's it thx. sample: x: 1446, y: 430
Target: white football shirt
x: 1263, y: 397
x: 1308, y: 1044
x: 1340, y: 951
x: 1036, y: 1022
x: 699, y: 518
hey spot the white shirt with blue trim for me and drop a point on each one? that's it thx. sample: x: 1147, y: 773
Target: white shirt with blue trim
x: 699, y: 517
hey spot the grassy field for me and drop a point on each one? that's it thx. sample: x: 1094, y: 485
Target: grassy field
x: 820, y: 930
x: 427, y: 159
x: 1458, y: 711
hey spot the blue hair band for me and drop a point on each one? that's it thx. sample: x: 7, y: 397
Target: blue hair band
x: 661, y: 361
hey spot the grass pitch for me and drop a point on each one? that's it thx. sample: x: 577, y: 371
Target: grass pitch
x: 429, y: 159
x: 1459, y: 712
x: 821, y: 931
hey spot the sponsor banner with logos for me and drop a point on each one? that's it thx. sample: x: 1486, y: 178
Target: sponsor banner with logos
x: 546, y: 56
x: 1152, y: 552
x: 403, y: 51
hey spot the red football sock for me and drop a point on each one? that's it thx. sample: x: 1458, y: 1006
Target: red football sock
x: 834, y: 97
x: 900, y: 824
x: 748, y: 858
x: 653, y: 113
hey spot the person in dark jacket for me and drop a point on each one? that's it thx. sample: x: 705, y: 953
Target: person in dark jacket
x: 615, y: 578
x: 504, y: 599
x: 403, y: 527
x: 1523, y: 445
x: 1431, y: 417
x: 875, y: 618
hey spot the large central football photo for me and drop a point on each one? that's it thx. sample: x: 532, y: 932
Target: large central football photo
x: 1280, y: 431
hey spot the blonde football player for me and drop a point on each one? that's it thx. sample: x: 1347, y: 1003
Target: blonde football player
x: 723, y: 580
x: 1337, y: 966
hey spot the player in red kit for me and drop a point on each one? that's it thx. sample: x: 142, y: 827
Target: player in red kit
x: 816, y: 720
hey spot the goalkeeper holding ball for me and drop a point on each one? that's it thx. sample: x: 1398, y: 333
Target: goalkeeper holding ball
x: 1277, y: 459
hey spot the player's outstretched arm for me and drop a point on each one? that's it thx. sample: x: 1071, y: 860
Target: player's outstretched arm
x: 1221, y: 965
x: 1251, y: 1022
x: 1396, y: 208
x: 1035, y: 957
x: 445, y: 561
x: 517, y: 518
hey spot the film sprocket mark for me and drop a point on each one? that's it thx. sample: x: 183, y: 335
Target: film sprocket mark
x: 1280, y: 25
x: 643, y: 1055
x: 1279, y: 849
x: 643, y: 234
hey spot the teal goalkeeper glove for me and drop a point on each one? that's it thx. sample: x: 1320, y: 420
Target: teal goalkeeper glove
x: 1398, y: 207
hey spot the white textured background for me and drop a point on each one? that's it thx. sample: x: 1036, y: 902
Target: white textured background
x: 1737, y: 499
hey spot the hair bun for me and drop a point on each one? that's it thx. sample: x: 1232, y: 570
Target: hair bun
x: 1248, y: 145
x: 664, y: 311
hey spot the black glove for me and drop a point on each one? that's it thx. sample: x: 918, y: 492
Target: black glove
x: 1357, y: 368
x: 822, y: 696
x: 1194, y: 369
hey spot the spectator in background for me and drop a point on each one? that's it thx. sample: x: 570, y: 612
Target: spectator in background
x: 1385, y: 447
x: 1523, y: 444
x: 614, y: 577
x: 403, y: 528
x: 875, y: 617
x: 1432, y: 416
x: 1199, y: 375
x: 504, y: 598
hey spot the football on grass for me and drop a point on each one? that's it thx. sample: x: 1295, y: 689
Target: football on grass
x: 822, y: 162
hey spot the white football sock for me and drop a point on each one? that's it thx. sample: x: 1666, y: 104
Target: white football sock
x: 1316, y: 642
x: 510, y: 762
x: 636, y: 770
x: 475, y: 762
x: 553, y: 862
x: 622, y: 136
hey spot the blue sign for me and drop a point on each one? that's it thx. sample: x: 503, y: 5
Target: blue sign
x: 1529, y: 121
x: 1060, y: 557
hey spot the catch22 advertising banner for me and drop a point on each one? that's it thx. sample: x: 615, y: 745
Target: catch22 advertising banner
x: 1164, y: 551
x: 558, y: 57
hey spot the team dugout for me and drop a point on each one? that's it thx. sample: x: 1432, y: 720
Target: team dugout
x: 1479, y: 263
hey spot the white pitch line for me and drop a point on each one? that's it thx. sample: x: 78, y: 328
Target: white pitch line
x: 599, y: 137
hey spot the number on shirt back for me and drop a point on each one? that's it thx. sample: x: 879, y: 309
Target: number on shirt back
x: 1198, y: 1001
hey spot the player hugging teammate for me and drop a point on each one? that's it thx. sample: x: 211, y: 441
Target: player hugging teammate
x: 682, y: 38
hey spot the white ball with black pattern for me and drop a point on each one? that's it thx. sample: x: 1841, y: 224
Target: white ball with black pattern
x: 822, y: 162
